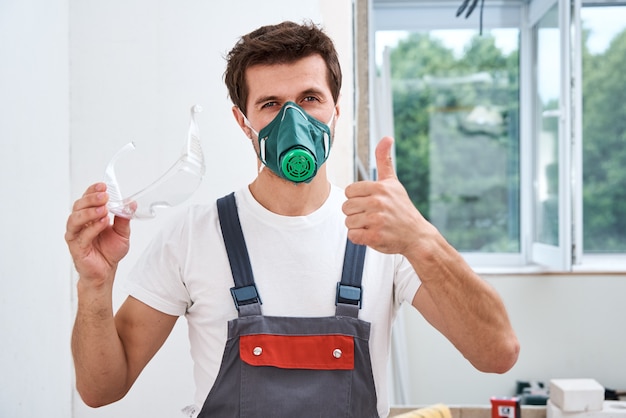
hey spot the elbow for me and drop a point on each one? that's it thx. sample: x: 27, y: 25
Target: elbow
x: 91, y: 400
x: 95, y: 399
x: 503, y: 359
x: 510, y: 355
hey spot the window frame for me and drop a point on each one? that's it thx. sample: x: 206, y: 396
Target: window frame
x: 585, y: 262
x: 533, y: 257
x: 555, y: 257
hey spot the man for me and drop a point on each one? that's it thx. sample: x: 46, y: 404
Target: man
x: 262, y: 352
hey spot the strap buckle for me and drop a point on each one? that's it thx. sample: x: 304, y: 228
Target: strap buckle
x: 350, y: 295
x: 245, y: 295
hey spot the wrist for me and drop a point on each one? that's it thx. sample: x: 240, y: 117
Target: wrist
x: 93, y: 289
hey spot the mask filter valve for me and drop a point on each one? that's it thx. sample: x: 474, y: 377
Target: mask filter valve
x: 298, y: 165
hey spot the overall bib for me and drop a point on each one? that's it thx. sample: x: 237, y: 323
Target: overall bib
x: 291, y: 367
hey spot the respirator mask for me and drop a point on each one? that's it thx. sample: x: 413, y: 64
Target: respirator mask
x: 294, y: 144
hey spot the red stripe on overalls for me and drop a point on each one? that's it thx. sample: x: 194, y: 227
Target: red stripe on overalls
x: 311, y: 352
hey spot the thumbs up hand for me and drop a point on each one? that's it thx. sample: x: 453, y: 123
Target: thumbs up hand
x: 380, y: 213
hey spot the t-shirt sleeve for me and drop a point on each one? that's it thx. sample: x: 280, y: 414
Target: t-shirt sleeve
x: 156, y: 279
x: 406, y: 282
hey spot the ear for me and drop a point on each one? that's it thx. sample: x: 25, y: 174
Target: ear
x: 337, y: 107
x: 238, y: 114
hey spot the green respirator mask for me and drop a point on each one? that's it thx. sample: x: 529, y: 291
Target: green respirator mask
x: 294, y: 144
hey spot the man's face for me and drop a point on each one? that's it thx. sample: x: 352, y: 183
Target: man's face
x: 303, y: 82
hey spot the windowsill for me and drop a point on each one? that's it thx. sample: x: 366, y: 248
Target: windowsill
x: 600, y: 267
x: 595, y: 268
x: 587, y: 269
x: 511, y: 270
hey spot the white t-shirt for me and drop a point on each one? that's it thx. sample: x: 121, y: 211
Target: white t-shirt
x: 296, y: 261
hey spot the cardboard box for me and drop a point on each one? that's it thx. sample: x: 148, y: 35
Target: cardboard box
x: 575, y: 395
x: 610, y: 409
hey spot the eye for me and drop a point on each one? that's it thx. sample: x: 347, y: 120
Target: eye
x: 269, y: 104
x: 310, y: 99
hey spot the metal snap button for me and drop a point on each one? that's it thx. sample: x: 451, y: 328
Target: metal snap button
x: 257, y: 351
x: 337, y: 353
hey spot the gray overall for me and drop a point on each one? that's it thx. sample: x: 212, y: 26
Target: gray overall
x: 291, y: 367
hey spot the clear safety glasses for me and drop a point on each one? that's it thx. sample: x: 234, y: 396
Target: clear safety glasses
x: 175, y: 186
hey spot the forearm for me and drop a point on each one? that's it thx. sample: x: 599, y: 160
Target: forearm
x: 466, y: 309
x: 99, y: 357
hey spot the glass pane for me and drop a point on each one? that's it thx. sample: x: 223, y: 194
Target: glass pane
x: 604, y: 129
x: 548, y: 79
x: 456, y: 120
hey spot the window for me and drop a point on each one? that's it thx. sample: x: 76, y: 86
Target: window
x: 550, y: 134
x: 456, y: 117
x: 513, y: 173
x: 547, y: 116
x: 603, y: 129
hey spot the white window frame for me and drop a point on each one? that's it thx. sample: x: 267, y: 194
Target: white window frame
x: 556, y: 257
x: 533, y: 256
x: 584, y: 262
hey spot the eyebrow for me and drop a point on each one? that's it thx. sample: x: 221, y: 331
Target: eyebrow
x: 306, y: 92
x: 265, y: 99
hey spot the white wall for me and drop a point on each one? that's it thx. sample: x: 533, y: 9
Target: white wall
x: 569, y: 326
x: 35, y: 314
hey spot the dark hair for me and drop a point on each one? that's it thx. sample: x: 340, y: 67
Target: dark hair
x: 283, y: 43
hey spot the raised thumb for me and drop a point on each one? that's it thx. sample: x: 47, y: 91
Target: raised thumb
x: 384, y: 163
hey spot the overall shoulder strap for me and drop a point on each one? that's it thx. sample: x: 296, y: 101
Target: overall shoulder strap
x: 349, y: 290
x: 244, y: 293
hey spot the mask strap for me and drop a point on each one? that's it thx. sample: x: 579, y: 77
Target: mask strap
x: 247, y: 123
x: 261, y: 142
x: 326, y: 136
x: 332, y: 118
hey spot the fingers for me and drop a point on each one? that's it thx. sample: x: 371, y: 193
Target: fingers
x: 367, y: 229
x: 89, y: 215
x: 121, y: 226
x: 356, y: 207
x: 365, y: 219
x: 95, y: 195
x: 96, y: 187
x: 361, y: 203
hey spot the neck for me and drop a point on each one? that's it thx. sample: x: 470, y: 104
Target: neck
x: 289, y: 199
